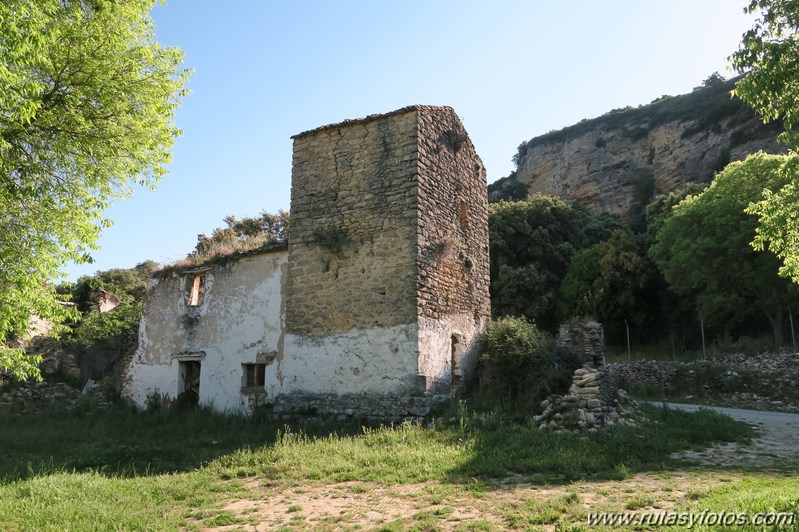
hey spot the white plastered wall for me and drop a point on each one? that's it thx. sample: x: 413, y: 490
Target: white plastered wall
x: 376, y: 361
x: 435, y: 346
x: 239, y: 322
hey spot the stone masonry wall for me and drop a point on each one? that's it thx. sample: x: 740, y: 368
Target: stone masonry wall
x: 353, y: 224
x: 453, y: 220
x: 452, y: 248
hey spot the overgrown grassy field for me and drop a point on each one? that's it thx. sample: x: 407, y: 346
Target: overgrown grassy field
x: 125, y: 470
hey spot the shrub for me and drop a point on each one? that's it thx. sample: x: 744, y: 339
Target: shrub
x: 520, y: 364
x: 107, y: 336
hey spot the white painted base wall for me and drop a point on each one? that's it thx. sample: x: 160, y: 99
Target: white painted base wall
x: 381, y: 360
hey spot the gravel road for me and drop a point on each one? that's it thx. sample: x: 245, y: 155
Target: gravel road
x: 776, y: 446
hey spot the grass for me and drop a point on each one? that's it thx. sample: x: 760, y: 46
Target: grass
x: 753, y: 496
x: 124, y: 469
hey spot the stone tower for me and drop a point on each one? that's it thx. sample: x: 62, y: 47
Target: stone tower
x: 387, y: 278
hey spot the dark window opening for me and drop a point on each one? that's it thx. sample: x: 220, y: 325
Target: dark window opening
x: 195, y: 290
x: 254, y: 375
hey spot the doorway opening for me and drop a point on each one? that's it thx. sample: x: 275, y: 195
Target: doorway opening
x: 188, y: 383
x: 456, y: 356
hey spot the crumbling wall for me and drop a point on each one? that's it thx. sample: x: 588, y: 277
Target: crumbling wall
x: 388, y: 263
x: 452, y: 248
x: 586, y: 339
x: 238, y: 322
x: 592, y: 402
x: 350, y: 296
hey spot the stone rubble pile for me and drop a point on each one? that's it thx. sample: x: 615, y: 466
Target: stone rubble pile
x: 591, y: 404
x: 32, y: 397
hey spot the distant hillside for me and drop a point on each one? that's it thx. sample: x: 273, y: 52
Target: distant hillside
x: 618, y: 162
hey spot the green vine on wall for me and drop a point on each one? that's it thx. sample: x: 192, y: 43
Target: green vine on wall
x: 331, y: 239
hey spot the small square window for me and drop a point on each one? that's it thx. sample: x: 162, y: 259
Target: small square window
x: 195, y: 289
x: 254, y: 375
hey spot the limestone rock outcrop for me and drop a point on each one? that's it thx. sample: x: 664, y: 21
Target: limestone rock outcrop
x: 618, y: 162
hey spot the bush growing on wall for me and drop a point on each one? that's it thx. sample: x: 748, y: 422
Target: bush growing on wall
x: 520, y: 365
x: 109, y: 334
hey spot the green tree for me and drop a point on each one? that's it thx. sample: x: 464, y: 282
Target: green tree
x: 520, y: 364
x: 703, y: 248
x: 769, y: 56
x: 127, y: 284
x: 607, y: 281
x: 87, y: 99
x: 243, y: 234
x: 663, y: 206
x: 532, y: 244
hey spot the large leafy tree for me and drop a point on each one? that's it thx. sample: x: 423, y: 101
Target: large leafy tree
x: 87, y: 99
x: 703, y: 248
x: 769, y: 56
x: 532, y: 244
x: 607, y: 281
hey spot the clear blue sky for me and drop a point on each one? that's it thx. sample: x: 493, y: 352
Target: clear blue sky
x: 265, y: 70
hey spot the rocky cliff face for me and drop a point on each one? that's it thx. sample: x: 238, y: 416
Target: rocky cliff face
x: 618, y: 162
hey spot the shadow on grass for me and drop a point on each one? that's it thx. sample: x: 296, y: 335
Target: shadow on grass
x: 522, y: 450
x: 122, y: 441
x: 474, y: 448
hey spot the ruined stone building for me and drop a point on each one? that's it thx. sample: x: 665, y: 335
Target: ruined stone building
x: 373, y: 307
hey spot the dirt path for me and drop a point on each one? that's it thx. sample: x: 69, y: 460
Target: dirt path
x: 776, y: 445
x: 458, y: 507
x: 269, y: 506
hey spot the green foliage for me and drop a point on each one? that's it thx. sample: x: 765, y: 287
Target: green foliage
x: 115, y: 331
x: 507, y: 188
x: 87, y: 99
x: 707, y: 106
x: 662, y: 208
x: 769, y: 55
x: 17, y: 364
x: 242, y: 235
x: 778, y: 219
x: 703, y: 247
x: 532, y: 244
x: 520, y: 365
x: 644, y: 187
x: 332, y: 239
x: 126, y: 284
x: 713, y: 80
x: 521, y: 151
x: 607, y: 281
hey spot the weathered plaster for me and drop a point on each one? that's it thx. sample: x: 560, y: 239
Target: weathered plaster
x: 239, y: 321
x: 359, y: 361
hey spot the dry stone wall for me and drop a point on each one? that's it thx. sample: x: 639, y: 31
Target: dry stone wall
x: 593, y: 401
x: 591, y: 404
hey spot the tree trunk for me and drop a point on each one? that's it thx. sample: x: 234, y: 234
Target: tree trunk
x: 775, y: 318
